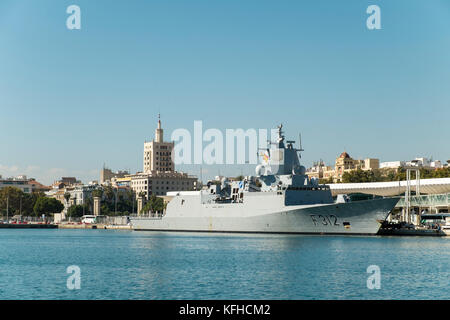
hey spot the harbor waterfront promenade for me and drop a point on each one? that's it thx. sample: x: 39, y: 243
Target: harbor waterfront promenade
x: 155, y: 265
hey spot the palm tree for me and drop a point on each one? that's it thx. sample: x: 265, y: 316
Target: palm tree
x: 67, y: 198
x: 109, y: 193
x: 97, y: 193
x: 88, y: 204
x: 165, y: 207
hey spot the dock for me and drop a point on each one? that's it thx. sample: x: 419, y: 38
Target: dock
x: 64, y: 226
x: 27, y: 226
x: 93, y: 226
x: 412, y: 232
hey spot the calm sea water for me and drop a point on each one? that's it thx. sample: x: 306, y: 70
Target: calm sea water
x: 149, y: 265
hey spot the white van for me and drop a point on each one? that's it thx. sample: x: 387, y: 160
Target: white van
x: 88, y: 219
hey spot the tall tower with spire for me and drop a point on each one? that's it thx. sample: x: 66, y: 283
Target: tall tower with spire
x: 159, y: 132
x: 158, y: 154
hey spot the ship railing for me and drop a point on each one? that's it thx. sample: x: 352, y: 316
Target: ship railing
x: 155, y: 216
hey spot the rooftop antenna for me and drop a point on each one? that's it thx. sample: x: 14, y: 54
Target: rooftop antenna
x: 300, y: 141
x: 300, y: 144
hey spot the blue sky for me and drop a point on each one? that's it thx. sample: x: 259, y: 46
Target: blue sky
x: 71, y: 100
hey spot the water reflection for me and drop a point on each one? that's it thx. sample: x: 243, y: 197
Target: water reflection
x: 155, y: 265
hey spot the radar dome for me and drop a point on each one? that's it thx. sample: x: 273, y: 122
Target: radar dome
x: 259, y: 170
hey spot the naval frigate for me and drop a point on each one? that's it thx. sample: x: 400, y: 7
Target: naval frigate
x: 280, y: 198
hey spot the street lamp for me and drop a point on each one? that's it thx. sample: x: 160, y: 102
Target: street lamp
x: 7, y: 209
x: 115, y: 209
x: 132, y: 202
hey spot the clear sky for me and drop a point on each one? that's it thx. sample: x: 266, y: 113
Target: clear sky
x: 71, y: 100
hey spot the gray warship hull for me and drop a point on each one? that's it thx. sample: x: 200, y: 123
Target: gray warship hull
x: 267, y: 215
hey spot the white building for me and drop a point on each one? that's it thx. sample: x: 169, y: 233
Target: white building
x: 23, y: 183
x: 417, y: 162
x: 392, y: 164
x: 81, y: 193
x: 437, y: 164
x: 420, y: 162
x: 161, y: 183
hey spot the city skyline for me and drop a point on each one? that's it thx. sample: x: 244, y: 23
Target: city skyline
x: 209, y: 171
x: 72, y: 100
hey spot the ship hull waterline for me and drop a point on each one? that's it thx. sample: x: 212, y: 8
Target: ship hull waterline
x: 353, y: 218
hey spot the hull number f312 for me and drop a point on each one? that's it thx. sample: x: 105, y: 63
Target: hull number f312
x: 325, y: 220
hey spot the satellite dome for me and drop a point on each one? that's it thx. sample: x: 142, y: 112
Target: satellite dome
x: 259, y: 170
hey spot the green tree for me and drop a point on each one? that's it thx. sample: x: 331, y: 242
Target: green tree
x: 105, y: 209
x: 75, y: 211
x: 67, y: 197
x: 97, y: 193
x: 155, y: 204
x: 88, y: 205
x: 158, y: 205
x: 109, y: 193
x: 10, y: 197
x: 19, y: 202
x: 326, y: 181
x: 28, y: 201
x: 47, y: 206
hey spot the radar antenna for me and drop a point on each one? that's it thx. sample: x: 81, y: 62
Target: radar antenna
x: 300, y: 141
